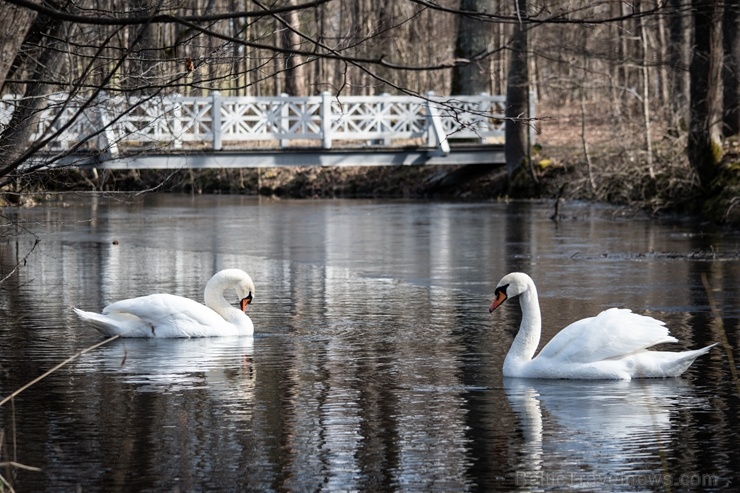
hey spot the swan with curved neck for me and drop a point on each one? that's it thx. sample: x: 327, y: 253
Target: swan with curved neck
x: 612, y: 345
x: 166, y: 315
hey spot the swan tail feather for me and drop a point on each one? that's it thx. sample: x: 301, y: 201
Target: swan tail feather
x: 670, y: 364
x: 105, y: 324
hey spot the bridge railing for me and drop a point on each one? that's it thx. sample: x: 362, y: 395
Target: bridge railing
x: 118, y: 124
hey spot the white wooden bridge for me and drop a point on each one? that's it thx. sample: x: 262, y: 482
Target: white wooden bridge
x: 230, y: 132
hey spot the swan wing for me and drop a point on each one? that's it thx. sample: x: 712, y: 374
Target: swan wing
x: 168, y: 315
x: 612, y: 334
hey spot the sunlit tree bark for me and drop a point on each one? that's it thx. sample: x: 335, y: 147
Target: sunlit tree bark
x: 704, y: 144
x: 295, y: 75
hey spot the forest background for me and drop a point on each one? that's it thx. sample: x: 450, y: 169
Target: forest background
x: 637, y: 103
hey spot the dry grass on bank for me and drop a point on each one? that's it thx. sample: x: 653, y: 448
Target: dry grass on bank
x: 607, y: 161
x: 608, y: 153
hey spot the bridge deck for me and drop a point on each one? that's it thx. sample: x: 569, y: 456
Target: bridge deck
x: 269, y: 158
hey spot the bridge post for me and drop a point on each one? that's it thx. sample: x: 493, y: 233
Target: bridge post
x: 284, y: 124
x: 176, y: 104
x: 326, y: 119
x: 385, y: 120
x: 107, y: 142
x: 436, y: 136
x: 216, y: 120
x: 532, y: 128
x: 484, y: 107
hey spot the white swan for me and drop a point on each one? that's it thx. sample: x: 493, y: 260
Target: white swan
x: 166, y: 315
x: 612, y: 345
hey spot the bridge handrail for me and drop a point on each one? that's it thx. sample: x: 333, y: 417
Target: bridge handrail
x: 170, y: 122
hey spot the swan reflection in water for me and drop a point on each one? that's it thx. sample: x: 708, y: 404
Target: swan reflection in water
x: 222, y: 365
x: 577, y: 432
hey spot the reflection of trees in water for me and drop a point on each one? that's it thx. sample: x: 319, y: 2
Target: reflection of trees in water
x: 375, y: 363
x: 20, y: 244
x: 374, y: 390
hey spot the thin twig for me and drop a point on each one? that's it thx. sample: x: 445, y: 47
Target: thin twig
x: 721, y: 331
x: 66, y: 361
x: 6, y: 484
x: 18, y: 465
x: 21, y: 261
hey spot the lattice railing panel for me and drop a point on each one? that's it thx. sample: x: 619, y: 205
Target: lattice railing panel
x: 250, y: 119
x: 470, y: 117
x: 193, y: 117
x: 399, y: 118
x: 302, y: 119
x: 174, y: 120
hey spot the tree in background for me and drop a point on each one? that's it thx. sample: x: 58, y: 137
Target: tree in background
x: 731, y: 68
x: 677, y: 50
x: 517, y: 96
x: 582, y: 59
x: 11, y: 39
x: 473, y: 45
x: 705, y: 125
x: 44, y: 65
x: 295, y: 84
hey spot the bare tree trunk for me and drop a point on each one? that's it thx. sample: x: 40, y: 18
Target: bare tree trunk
x: 584, y: 137
x: 704, y: 146
x: 517, y: 98
x: 661, y: 44
x: 11, y: 39
x: 584, y: 142
x: 295, y: 80
x: 731, y: 67
x: 614, y: 51
x: 677, y: 49
x: 473, y: 40
x: 141, y: 64
x: 646, y: 97
x: 16, y: 136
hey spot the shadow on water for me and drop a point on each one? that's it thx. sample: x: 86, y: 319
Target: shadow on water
x: 376, y: 365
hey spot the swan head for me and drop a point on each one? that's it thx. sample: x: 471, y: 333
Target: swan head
x: 245, y: 291
x: 509, y: 286
x: 235, y: 279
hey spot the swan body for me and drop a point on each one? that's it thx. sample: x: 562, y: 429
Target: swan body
x: 612, y: 345
x: 166, y: 315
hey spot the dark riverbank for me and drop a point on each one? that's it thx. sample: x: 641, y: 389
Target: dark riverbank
x: 608, y: 165
x: 555, y: 174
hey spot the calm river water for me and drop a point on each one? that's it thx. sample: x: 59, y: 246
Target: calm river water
x: 376, y: 365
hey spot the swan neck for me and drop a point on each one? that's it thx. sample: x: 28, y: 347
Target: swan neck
x: 214, y: 295
x: 526, y: 341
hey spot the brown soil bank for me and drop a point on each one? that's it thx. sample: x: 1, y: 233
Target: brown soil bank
x: 557, y: 173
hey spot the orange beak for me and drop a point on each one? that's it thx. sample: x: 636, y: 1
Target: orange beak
x: 500, y: 298
x: 243, y: 304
